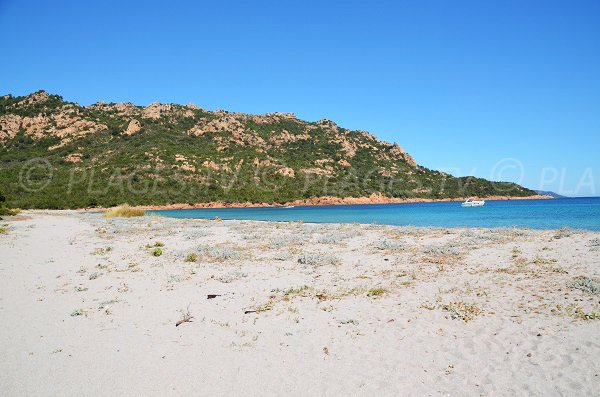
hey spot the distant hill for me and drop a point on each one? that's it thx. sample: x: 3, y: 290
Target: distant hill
x: 549, y: 193
x: 58, y: 154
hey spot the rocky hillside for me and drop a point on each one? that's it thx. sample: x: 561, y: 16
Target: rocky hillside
x: 58, y: 154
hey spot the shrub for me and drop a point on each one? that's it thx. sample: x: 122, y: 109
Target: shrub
x: 77, y: 312
x: 221, y: 253
x: 333, y: 237
x: 389, y: 245
x: 594, y: 244
x: 314, y: 259
x: 157, y: 252
x: 586, y: 284
x: 191, y: 257
x: 462, y: 311
x: 230, y: 277
x: 124, y: 211
x: 441, y: 250
x: 376, y: 291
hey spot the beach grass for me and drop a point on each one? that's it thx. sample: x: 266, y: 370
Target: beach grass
x: 124, y: 211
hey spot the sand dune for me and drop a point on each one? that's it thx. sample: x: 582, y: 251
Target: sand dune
x: 302, y: 309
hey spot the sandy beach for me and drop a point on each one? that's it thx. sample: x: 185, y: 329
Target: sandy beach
x: 160, y: 306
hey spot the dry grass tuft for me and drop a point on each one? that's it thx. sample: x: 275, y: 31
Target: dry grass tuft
x: 462, y: 311
x: 124, y: 211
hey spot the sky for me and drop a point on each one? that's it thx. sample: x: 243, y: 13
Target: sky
x: 505, y: 90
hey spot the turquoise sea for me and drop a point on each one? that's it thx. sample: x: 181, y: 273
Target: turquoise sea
x: 576, y: 213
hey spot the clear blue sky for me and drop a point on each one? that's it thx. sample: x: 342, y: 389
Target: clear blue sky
x: 464, y: 86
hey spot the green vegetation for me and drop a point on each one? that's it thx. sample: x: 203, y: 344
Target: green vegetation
x: 376, y: 291
x: 3, y: 209
x: 462, y: 311
x: 191, y: 257
x: 238, y: 158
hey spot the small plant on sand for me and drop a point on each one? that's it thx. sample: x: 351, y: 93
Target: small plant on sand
x: 157, y: 252
x: 462, y: 311
x: 265, y: 307
x: 3, y: 230
x: 231, y: 277
x: 94, y: 276
x: 314, y: 259
x: 334, y: 237
x: 563, y: 232
x: 593, y: 315
x: 186, y: 317
x: 376, y: 292
x: 594, y: 244
x: 389, y: 245
x: 221, y: 253
x: 101, y: 251
x: 300, y: 291
x: 124, y: 211
x: 78, y: 312
x: 287, y: 240
x: 191, y: 257
x: 538, y: 260
x: 516, y: 252
x: 586, y: 284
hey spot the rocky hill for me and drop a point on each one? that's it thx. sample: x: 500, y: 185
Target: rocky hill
x: 58, y: 154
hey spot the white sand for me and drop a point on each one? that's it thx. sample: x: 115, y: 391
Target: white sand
x: 331, y: 338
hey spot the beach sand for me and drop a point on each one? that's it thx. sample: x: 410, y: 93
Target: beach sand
x: 302, y: 309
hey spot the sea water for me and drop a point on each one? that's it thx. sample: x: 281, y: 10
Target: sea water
x: 576, y: 213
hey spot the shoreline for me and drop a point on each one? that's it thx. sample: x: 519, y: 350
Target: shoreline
x: 318, y: 201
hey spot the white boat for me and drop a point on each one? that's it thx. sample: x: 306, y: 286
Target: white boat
x: 473, y: 203
x: 289, y: 206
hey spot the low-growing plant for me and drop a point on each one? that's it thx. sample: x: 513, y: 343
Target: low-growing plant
x: 230, y: 277
x: 389, y: 245
x: 440, y: 250
x: 563, y: 232
x: 538, y: 260
x: 157, y: 252
x: 586, y: 284
x: 462, y: 311
x: 288, y: 239
x: 333, y: 237
x: 124, y: 211
x: 191, y: 257
x: 221, y: 253
x: 291, y: 292
x: 594, y: 244
x: 78, y: 312
x: 94, y: 276
x: 282, y: 256
x: 316, y: 259
x: 101, y: 251
x: 376, y: 291
x: 186, y: 317
x: 592, y: 315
